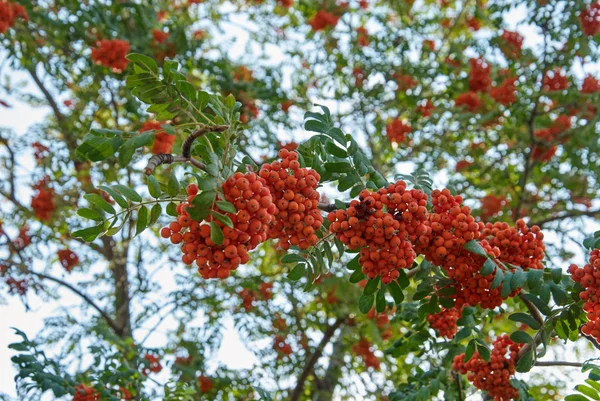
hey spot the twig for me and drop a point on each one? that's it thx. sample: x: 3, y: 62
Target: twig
x: 567, y: 215
x: 535, y: 313
x: 558, y: 363
x: 186, y: 148
x: 165, y: 158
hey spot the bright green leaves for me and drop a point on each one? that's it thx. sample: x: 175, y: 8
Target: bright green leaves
x: 101, y: 144
x: 592, y: 242
x: 201, y: 205
x: 143, y: 62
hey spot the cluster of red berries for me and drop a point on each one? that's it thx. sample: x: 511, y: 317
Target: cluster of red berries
x: 473, y: 23
x: 9, y: 12
x: 205, y: 384
x: 590, y: 85
x: 589, y: 278
x: 462, y: 164
x: 479, y: 77
x: 322, y: 20
x: 397, y: 130
x: 382, y: 320
x: 254, y: 213
x: 42, y: 201
x: 364, y: 350
x: 404, y: 81
x: 162, y: 47
x: 23, y: 240
x: 40, y: 152
x: 281, y: 346
x: 469, y: 100
x: 17, y: 286
x: 543, y: 153
x: 266, y: 290
x: 425, y: 108
x: 248, y: 297
x: 512, y: 43
x: 429, y: 45
x: 385, y: 237
x: 85, y: 393
x: 506, y: 92
x: 359, y: 76
x: 590, y: 19
x: 111, y: 53
x: 68, y: 259
x: 296, y: 200
x: 362, y: 36
x: 493, y: 376
x: 555, y: 80
x: 491, y: 205
x: 519, y: 245
x: 163, y: 142
x: 444, y: 322
x: 154, y: 365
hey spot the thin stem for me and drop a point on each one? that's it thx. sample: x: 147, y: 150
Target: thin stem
x: 559, y: 363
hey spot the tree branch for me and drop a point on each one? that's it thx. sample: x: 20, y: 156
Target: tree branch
x: 567, y: 215
x: 165, y: 158
x: 535, y: 313
x: 558, y: 363
x: 297, y: 392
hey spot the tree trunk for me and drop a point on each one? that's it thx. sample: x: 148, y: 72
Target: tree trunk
x: 118, y: 267
x: 325, y: 387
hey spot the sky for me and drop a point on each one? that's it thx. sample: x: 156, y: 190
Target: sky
x: 20, y: 117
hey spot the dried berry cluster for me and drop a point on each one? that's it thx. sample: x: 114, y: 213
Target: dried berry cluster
x: 589, y: 278
x: 493, y: 376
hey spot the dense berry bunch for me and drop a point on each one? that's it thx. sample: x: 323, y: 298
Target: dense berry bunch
x: 205, y: 384
x: 68, y: 259
x: 469, y: 100
x: 163, y: 142
x: 519, y: 245
x: 444, y: 322
x: 159, y: 36
x: 493, y: 376
x: 296, y: 200
x: 85, y: 393
x: 543, y: 153
x: 281, y: 346
x: 491, y: 205
x: 425, y: 108
x: 404, y: 81
x: 555, y: 80
x: 590, y: 19
x: 396, y: 130
x: 479, y: 78
x: 590, y: 85
x: 383, y: 236
x: 23, y: 240
x: 248, y: 297
x: 512, y: 43
x: 111, y: 53
x: 589, y: 278
x: 505, y: 93
x: 322, y: 20
x: 254, y: 213
x: 153, y: 365
x: 42, y: 201
x: 364, y: 350
x: 266, y: 290
x: 462, y: 164
x: 9, y: 12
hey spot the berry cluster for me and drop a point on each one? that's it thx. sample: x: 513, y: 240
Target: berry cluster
x: 555, y: 80
x: 505, y: 93
x: 444, y: 322
x: 281, y: 346
x: 111, y: 53
x: 590, y: 19
x: 23, y: 240
x: 322, y: 20
x: 590, y: 85
x: 9, y: 12
x: 589, y: 278
x: 404, y: 81
x: 362, y: 36
x: 248, y: 297
x: 254, y: 213
x: 17, y: 286
x: 40, y: 152
x: 493, y: 376
x: 469, y: 100
x: 491, y: 205
x: 42, y: 202
x: 163, y: 142
x: 154, y: 365
x: 85, y: 393
x: 479, y: 78
x: 385, y: 237
x: 396, y: 130
x: 519, y: 245
x: 512, y: 43
x: 364, y: 349
x: 296, y: 200
x: 68, y: 259
x: 425, y: 108
x: 205, y: 384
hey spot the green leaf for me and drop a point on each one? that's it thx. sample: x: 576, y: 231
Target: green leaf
x: 470, y: 350
x: 403, y: 279
x: 357, y: 276
x: 542, y: 307
x: 396, y: 292
x: 155, y: 213
x: 559, y: 294
x: 144, y: 62
x: 173, y: 186
x: 534, y: 278
x: 497, y: 279
x: 488, y: 267
x: 335, y: 150
x: 172, y: 209
x: 115, y: 195
x: 371, y: 286
x: 154, y: 187
x: 168, y: 128
x: 226, y: 207
x: 90, y: 214
x: 208, y: 183
x: 473, y: 246
x: 576, y: 397
x: 521, y: 337
x: 483, y: 351
x: 315, y: 126
x: 297, y: 272
x: 380, y: 302
x: 97, y: 148
x: 590, y: 392
x: 216, y: 234
x: 462, y: 334
x: 292, y: 258
x: 519, y: 278
x: 506, y: 285
x: 338, y: 135
x: 339, y: 204
x: 365, y: 303
x: 127, y: 192
x: 556, y: 275
x: 89, y: 234
x: 338, y: 167
x: 525, y: 318
x: 99, y: 202
x: 222, y: 218
x: 525, y: 362
x: 142, y: 220
x: 353, y: 264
